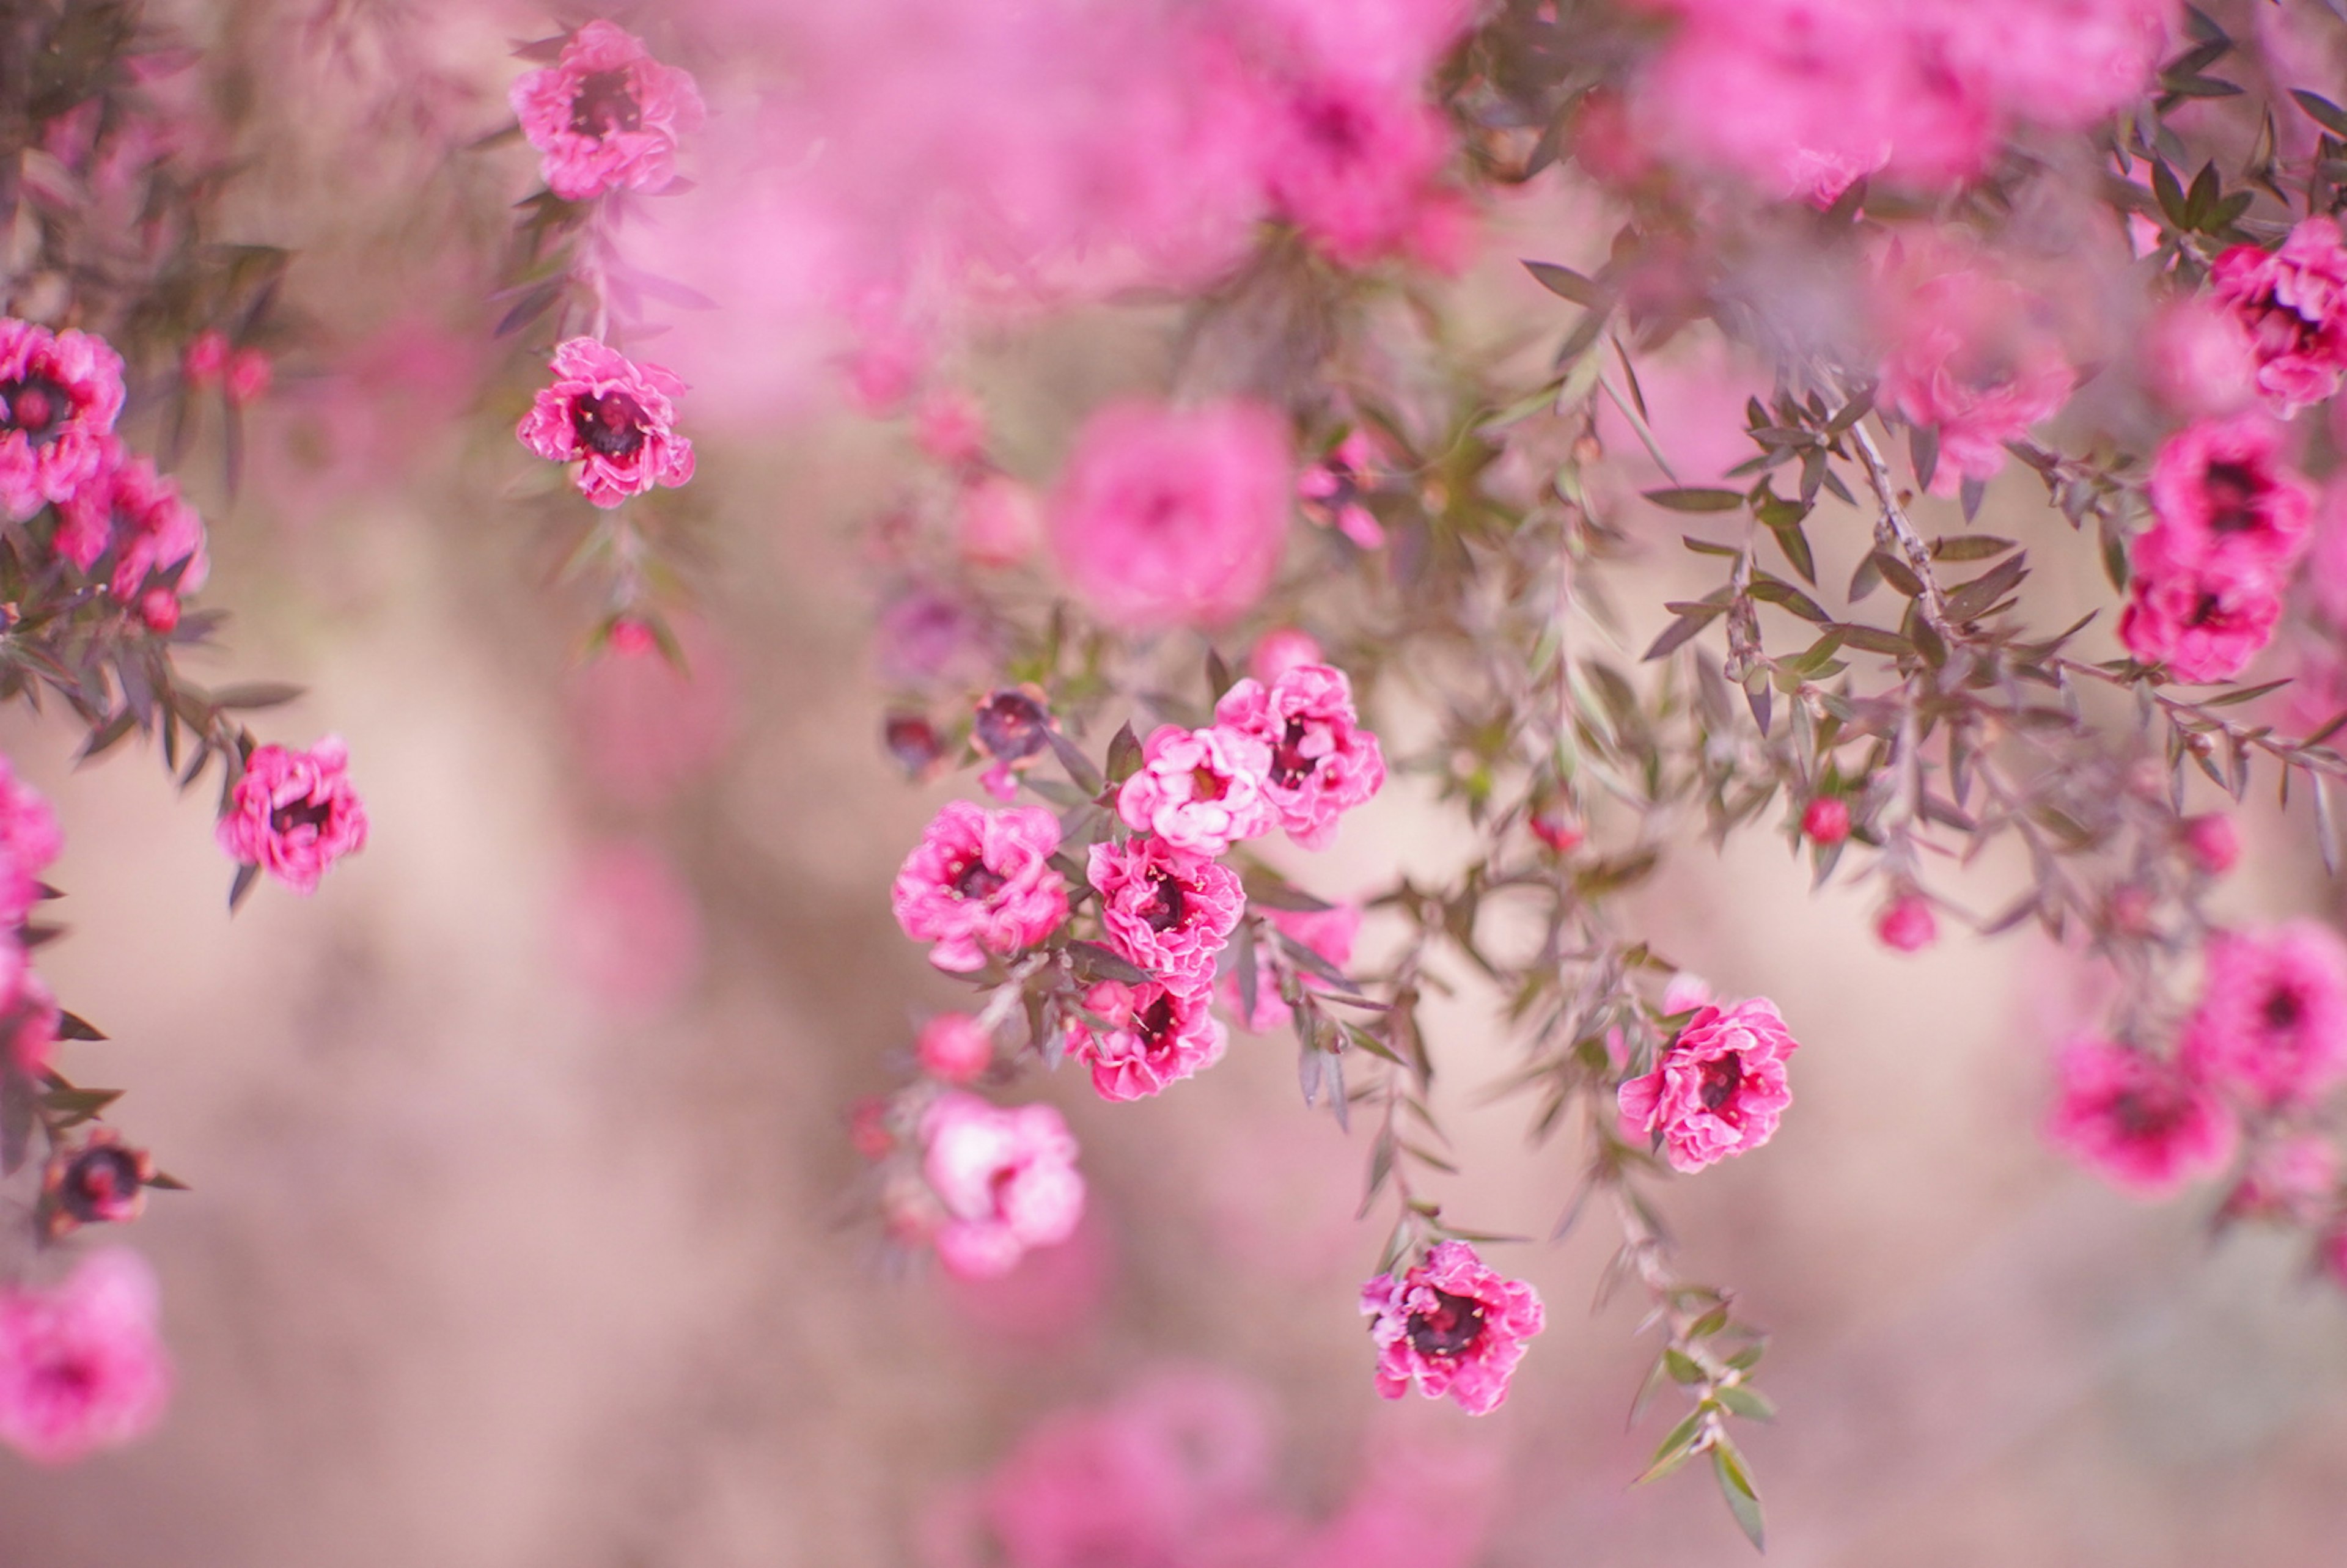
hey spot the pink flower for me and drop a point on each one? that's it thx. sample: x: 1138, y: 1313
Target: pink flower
x: 251, y: 374
x: 1323, y: 763
x: 1164, y: 908
x: 1156, y: 1034
x: 29, y: 842
x: 950, y: 426
x: 1451, y: 1326
x: 2212, y: 843
x: 1328, y: 933
x: 1826, y: 820
x: 606, y: 115
x: 60, y: 394
x: 2293, y: 301
x: 1007, y: 1178
x: 1201, y: 790
x: 2220, y: 489
x: 1330, y: 492
x: 1907, y: 925
x: 997, y: 522
x: 1968, y: 357
x: 1718, y: 1089
x: 2061, y: 63
x: 1351, y: 162
x: 954, y: 1048
x: 205, y: 359
x: 2291, y: 1179
x: 2272, y: 1017
x: 1277, y: 653
x: 2198, y: 361
x: 614, y: 418
x: 1173, y: 517
x: 2136, y: 1118
x: 2204, y: 621
x: 1554, y: 825
x: 28, y: 1015
x: 981, y: 882
x: 139, y: 514
x: 294, y: 814
x: 81, y: 1367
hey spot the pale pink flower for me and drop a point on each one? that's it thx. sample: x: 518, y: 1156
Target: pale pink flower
x: 1201, y: 790
x: 1173, y: 517
x: 1450, y: 1325
x: 2290, y: 1179
x: 294, y: 814
x: 2198, y: 361
x: 1166, y: 909
x: 2220, y: 488
x: 998, y: 521
x: 954, y: 1048
x: 2136, y: 1118
x: 1006, y: 1179
x: 30, y: 841
x: 1907, y: 925
x: 1718, y: 1088
x: 1969, y: 356
x: 2212, y: 841
x: 982, y: 883
x: 613, y: 417
x: 2293, y: 301
x: 1331, y: 492
x: 137, y: 514
x: 2204, y: 621
x: 81, y: 1365
x: 606, y: 115
x: 1155, y: 1035
x: 1323, y: 763
x: 2272, y: 1017
x: 60, y: 393
x: 1328, y: 933
x: 1277, y: 653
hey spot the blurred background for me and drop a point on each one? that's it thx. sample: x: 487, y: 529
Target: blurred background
x: 519, y: 1233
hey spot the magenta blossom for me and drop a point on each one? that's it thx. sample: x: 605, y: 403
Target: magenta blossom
x: 2292, y: 1179
x: 981, y: 882
x: 1323, y: 763
x: 1167, y: 910
x: 2293, y: 300
x: 137, y: 514
x: 606, y: 115
x: 1968, y: 358
x: 1907, y: 924
x: 81, y: 1367
x: 1451, y: 1326
x: 954, y: 1048
x: 1173, y: 517
x: 1351, y: 162
x: 294, y: 814
x: 1006, y: 1179
x: 1718, y: 1089
x: 2137, y: 1120
x: 60, y: 393
x: 613, y: 417
x: 2272, y: 1017
x: 1200, y: 790
x: 1330, y: 492
x: 2220, y: 489
x: 1155, y: 1035
x: 2205, y: 620
x: 2212, y: 843
x: 1328, y: 933
x: 29, y: 842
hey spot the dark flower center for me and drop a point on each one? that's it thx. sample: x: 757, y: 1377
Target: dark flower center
x: 1449, y: 1329
x: 310, y: 814
x: 1011, y: 725
x: 612, y: 424
x: 2147, y: 1112
x: 2206, y: 609
x: 75, y: 1375
x: 1206, y: 783
x: 1722, y: 1077
x: 1155, y: 1021
x: 98, y: 1179
x: 605, y: 103
x: 1167, y: 910
x: 1336, y: 127
x: 2283, y: 1010
x: 2232, y: 490
x: 976, y: 879
x: 36, y: 406
x: 1289, y: 766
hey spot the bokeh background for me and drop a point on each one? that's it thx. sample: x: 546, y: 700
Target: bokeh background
x: 521, y: 1231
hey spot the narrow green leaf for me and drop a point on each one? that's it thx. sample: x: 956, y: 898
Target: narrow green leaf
x: 1686, y: 498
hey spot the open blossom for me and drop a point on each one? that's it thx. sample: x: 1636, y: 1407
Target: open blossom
x: 1200, y: 790
x: 981, y: 882
x: 606, y: 115
x: 1323, y: 763
x: 1328, y: 933
x: 613, y: 417
x: 1168, y: 909
x: 60, y: 393
x: 139, y: 515
x: 1006, y: 1179
x: 2205, y: 620
x: 81, y: 1366
x: 1156, y: 1034
x: 1718, y: 1088
x: 1451, y: 1326
x: 294, y: 814
x: 29, y: 842
x: 1173, y: 517
x: 2139, y: 1121
x: 2272, y: 1017
x: 2220, y: 489
x: 2293, y: 300
x: 1969, y: 357
x: 1352, y: 162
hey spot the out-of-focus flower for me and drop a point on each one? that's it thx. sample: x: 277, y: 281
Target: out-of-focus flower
x: 2137, y: 1120
x: 950, y: 426
x: 613, y: 417
x: 1826, y: 820
x: 1277, y: 653
x: 629, y: 928
x: 1166, y: 909
x: 606, y: 115
x: 2220, y: 490
x: 1323, y: 763
x: 645, y: 727
x: 1968, y: 355
x: 1718, y: 1088
x: 205, y: 360
x: 60, y: 393
x: 251, y: 374
x: 981, y: 882
x: 1330, y: 491
x: 30, y: 841
x: 2272, y: 1017
x: 1007, y: 1180
x: 100, y: 1181
x: 2293, y: 302
x: 954, y: 1048
x: 1173, y: 517
x: 2205, y: 620
x: 929, y: 636
x: 1156, y: 1034
x: 1907, y: 924
x: 137, y: 514
x: 2198, y: 361
x: 1352, y: 162
x: 1553, y: 825
x: 998, y: 521
x: 2292, y: 1179
x: 2212, y: 843
x: 1328, y: 933
x: 1450, y: 1325
x: 81, y: 1367
x: 1200, y: 790
x: 294, y: 814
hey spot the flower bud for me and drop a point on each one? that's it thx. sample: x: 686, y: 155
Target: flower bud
x: 102, y: 1181
x: 1907, y: 924
x: 1827, y: 820
x: 206, y: 358
x: 2212, y: 843
x: 955, y: 1048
